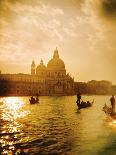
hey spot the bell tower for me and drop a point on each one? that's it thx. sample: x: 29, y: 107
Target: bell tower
x: 33, y: 68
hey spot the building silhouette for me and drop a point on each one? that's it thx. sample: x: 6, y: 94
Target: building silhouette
x: 50, y: 80
x: 44, y: 80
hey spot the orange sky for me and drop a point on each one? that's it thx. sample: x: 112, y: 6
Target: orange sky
x: 83, y: 30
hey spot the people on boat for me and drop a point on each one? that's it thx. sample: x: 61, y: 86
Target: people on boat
x: 37, y: 97
x: 82, y: 102
x: 112, y: 100
x: 78, y: 99
x: 88, y: 103
x: 32, y: 100
x: 108, y: 111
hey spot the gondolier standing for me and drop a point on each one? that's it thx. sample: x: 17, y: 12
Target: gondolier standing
x: 78, y: 99
x: 112, y: 100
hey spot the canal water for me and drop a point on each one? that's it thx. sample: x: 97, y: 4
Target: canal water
x: 55, y: 127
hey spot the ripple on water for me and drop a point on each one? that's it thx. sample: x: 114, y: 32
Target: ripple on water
x: 54, y: 127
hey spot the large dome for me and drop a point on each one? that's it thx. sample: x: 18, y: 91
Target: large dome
x: 56, y: 63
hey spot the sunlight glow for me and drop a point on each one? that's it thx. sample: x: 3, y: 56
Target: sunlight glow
x: 13, y: 109
x: 113, y: 123
x: 13, y: 103
x: 46, y: 25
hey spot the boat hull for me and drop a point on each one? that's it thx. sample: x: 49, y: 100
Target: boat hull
x: 108, y: 111
x: 85, y: 104
x: 33, y: 102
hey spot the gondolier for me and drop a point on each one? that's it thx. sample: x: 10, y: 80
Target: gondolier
x: 112, y: 100
x: 78, y: 98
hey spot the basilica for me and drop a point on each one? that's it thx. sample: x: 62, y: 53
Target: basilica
x: 54, y: 75
x: 50, y: 80
x: 44, y: 80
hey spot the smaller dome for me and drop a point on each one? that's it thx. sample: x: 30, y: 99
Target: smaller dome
x: 41, y: 66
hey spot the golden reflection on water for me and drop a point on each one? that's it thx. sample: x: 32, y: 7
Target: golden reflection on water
x: 54, y: 123
x: 12, y: 109
x: 112, y: 123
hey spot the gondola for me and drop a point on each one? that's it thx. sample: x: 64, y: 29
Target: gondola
x: 108, y: 111
x: 33, y: 101
x: 84, y: 104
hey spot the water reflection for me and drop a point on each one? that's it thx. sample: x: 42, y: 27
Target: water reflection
x: 13, y: 109
x: 112, y: 123
x: 55, y: 127
x: 10, y: 132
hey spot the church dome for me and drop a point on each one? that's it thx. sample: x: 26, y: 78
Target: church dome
x: 56, y: 63
x: 41, y: 66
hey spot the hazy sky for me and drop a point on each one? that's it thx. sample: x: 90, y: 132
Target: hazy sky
x: 83, y: 30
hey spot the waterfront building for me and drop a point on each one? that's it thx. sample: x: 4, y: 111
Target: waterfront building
x: 51, y: 79
x: 44, y: 80
x: 95, y: 87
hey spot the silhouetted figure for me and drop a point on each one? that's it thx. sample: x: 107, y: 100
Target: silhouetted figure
x: 112, y: 100
x: 32, y: 100
x: 37, y: 97
x: 88, y: 103
x: 78, y: 99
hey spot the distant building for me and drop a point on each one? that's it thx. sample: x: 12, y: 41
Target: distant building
x: 44, y: 80
x: 114, y: 89
x: 94, y: 87
x: 100, y: 87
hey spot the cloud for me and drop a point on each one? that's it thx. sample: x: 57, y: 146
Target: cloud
x: 32, y: 29
x: 39, y: 9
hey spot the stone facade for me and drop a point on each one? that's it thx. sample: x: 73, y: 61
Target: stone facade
x: 44, y: 80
